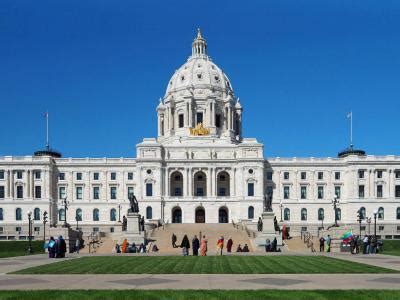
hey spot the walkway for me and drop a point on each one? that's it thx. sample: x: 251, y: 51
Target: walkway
x: 202, y: 281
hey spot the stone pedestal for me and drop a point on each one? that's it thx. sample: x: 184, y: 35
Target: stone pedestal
x: 133, y: 233
x: 268, y: 231
x: 69, y: 235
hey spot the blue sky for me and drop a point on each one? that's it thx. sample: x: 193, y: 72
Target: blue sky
x: 298, y: 67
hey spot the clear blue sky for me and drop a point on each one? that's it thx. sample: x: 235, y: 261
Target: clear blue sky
x: 298, y: 67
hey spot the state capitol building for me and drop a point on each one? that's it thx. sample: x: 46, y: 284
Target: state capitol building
x: 200, y: 169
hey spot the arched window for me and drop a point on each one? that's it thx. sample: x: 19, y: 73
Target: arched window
x: 61, y: 214
x: 304, y: 214
x: 381, y: 213
x: 113, y: 214
x: 18, y: 214
x: 1, y: 214
x: 78, y: 215
x: 286, y: 214
x: 250, y: 212
x: 398, y: 213
x: 321, y: 214
x: 338, y: 214
x: 362, y: 213
x: 149, y: 212
x: 36, y: 214
x: 96, y: 215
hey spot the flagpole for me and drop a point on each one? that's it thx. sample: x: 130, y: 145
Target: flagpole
x: 351, y: 129
x: 47, y: 130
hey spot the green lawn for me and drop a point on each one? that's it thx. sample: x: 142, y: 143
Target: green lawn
x: 205, y: 265
x: 19, y: 248
x: 391, y: 247
x: 201, y: 294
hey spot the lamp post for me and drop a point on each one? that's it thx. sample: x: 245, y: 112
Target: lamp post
x: 369, y: 225
x: 30, y: 232
x: 44, y: 225
x: 359, y: 219
x: 322, y: 221
x: 281, y: 207
x: 119, y: 212
x: 66, y: 205
x: 77, y: 220
x: 375, y: 214
x: 335, y: 203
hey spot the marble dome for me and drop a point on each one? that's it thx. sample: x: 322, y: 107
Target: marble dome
x: 199, y: 72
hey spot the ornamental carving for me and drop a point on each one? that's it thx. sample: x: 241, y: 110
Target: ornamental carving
x: 199, y: 130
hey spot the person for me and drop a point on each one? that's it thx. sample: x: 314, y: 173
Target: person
x: 142, y: 248
x: 373, y: 244
x: 246, y: 248
x: 229, y: 245
x: 267, y: 245
x: 220, y: 245
x: 259, y: 224
x: 154, y: 248
x: 321, y: 244
x: 52, y: 247
x: 77, y: 245
x: 124, y: 223
x: 328, y: 243
x: 239, y: 248
x: 365, y: 242
x: 274, y: 245
x: 195, y: 246
x: 174, y: 240
x: 185, y: 245
x: 117, y: 248
x: 61, y: 247
x: 203, y: 247
x: 357, y: 244
x: 352, y: 246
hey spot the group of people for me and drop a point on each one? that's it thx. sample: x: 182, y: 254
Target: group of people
x: 271, y: 246
x: 56, y: 247
x: 133, y: 248
x: 322, y: 241
x: 201, y: 246
x: 371, y: 244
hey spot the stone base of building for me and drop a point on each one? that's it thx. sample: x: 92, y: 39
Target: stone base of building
x: 268, y: 231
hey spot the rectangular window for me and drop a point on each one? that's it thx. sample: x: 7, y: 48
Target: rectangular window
x: 78, y: 176
x: 61, y: 176
x: 130, y: 176
x: 337, y: 175
x: 20, y: 192
x: 269, y: 175
x: 360, y: 174
x: 199, y: 117
x: 218, y: 121
x: 19, y: 174
x: 130, y: 191
x: 149, y: 189
x: 250, y: 189
x: 1, y: 191
x: 397, y: 191
x: 320, y: 192
x: 37, y: 174
x: 381, y: 228
x: 199, y: 192
x: 286, y: 175
x: 180, y: 120
x: 79, y: 195
x: 96, y: 192
x: 379, y: 174
x: 397, y: 174
x: 379, y: 191
x: 1, y: 174
x: 96, y: 176
x: 113, y: 192
x: 303, y: 192
x: 303, y: 175
x: 178, y: 192
x: 320, y: 175
x: 36, y: 229
x: 361, y: 193
x: 337, y: 191
x: 61, y: 192
x: 286, y: 192
x: 18, y: 229
x: 38, y: 192
x: 113, y: 176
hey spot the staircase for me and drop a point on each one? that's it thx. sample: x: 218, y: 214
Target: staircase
x: 105, y: 245
x: 163, y: 237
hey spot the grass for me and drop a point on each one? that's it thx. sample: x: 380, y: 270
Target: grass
x: 391, y: 247
x: 202, y: 294
x: 205, y: 265
x: 19, y: 248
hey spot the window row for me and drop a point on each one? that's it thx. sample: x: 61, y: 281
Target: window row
x: 379, y: 191
x: 303, y: 175
x: 62, y: 192
x: 96, y: 176
x: 304, y: 190
x: 20, y: 174
x: 304, y: 214
x: 20, y: 192
x: 36, y: 216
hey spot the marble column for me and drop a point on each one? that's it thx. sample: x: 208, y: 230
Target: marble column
x: 8, y: 183
x: 12, y: 184
x: 28, y: 176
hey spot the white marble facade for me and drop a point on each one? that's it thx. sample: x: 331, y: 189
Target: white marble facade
x: 210, y: 174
